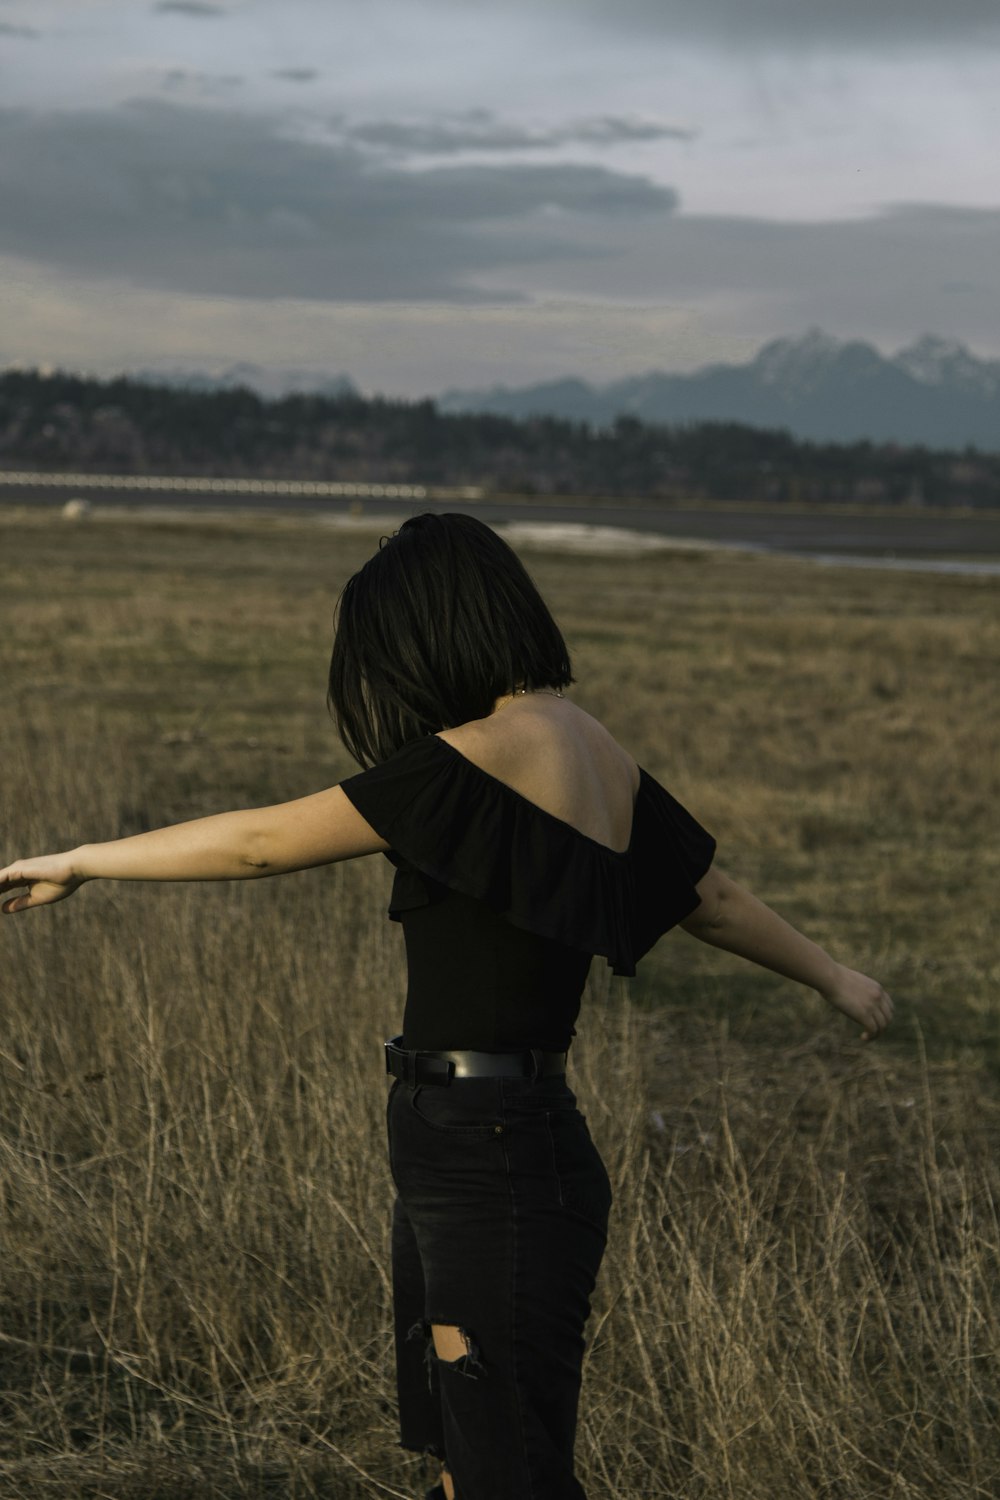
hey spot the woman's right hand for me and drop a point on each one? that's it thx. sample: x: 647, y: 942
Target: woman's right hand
x: 47, y: 879
x: 861, y: 998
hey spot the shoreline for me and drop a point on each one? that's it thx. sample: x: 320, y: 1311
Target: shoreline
x: 598, y: 538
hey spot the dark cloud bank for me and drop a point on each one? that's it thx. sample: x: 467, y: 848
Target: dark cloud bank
x: 207, y: 201
x: 226, y: 203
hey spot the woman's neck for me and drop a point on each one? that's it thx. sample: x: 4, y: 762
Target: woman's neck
x: 529, y: 693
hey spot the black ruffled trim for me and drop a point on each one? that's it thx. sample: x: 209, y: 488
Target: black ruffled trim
x: 452, y: 824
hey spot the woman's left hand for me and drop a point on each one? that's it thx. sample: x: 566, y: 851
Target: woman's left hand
x: 49, y: 878
x: 861, y: 998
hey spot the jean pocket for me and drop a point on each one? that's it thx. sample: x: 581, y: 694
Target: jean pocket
x: 439, y: 1110
x: 581, y: 1177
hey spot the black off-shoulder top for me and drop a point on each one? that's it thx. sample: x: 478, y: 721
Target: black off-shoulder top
x: 503, y: 904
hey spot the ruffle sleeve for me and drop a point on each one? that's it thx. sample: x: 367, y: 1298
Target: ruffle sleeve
x: 453, y: 826
x: 670, y: 853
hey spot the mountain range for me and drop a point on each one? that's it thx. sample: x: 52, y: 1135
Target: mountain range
x: 934, y: 392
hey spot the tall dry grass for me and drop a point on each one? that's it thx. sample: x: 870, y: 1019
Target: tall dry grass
x: 800, y: 1293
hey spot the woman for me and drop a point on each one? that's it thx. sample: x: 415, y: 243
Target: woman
x: 525, y: 841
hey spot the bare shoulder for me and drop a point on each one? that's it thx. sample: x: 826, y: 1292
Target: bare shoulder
x: 558, y: 755
x: 520, y: 732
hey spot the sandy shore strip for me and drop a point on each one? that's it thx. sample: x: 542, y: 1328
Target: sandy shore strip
x: 619, y: 541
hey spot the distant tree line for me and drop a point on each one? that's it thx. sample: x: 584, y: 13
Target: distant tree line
x: 66, y: 421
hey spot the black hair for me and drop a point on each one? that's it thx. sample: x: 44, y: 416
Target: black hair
x: 438, y: 624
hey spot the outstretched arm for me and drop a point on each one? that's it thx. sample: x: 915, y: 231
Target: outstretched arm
x: 731, y: 917
x: 315, y: 830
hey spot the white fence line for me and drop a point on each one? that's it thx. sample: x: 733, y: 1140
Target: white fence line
x: 207, y: 486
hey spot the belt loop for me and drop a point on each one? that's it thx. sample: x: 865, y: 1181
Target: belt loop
x: 535, y: 1064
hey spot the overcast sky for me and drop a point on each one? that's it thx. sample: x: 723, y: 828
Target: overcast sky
x: 435, y: 193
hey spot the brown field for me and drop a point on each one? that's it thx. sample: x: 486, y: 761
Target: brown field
x: 800, y: 1297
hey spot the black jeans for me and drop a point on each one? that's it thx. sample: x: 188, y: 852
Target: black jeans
x: 499, y: 1229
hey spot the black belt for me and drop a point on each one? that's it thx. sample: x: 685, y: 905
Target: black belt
x: 442, y: 1067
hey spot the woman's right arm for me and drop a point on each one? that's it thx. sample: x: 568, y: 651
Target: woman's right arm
x: 731, y: 917
x: 315, y: 830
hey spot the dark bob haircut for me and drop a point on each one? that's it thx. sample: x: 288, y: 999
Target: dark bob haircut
x: 437, y: 625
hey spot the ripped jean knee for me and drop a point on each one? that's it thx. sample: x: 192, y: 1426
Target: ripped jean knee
x: 468, y: 1364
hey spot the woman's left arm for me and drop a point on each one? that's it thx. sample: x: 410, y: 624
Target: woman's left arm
x: 731, y: 917
x: 315, y: 830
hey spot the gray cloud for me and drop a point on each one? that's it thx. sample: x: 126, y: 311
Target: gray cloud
x: 884, y: 277
x: 7, y: 28
x: 188, y: 8
x: 480, y: 130
x: 204, y: 85
x: 788, y: 24
x: 296, y: 75
x: 207, y: 201
x: 609, y: 130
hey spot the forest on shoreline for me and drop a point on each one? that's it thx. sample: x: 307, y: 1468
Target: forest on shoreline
x: 60, y: 420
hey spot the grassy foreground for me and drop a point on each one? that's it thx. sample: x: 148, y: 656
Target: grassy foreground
x: 800, y: 1297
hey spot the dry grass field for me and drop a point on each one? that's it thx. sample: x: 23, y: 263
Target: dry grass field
x: 800, y: 1297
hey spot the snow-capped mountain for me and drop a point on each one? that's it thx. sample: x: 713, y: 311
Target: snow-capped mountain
x: 933, y: 392
x: 943, y: 362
